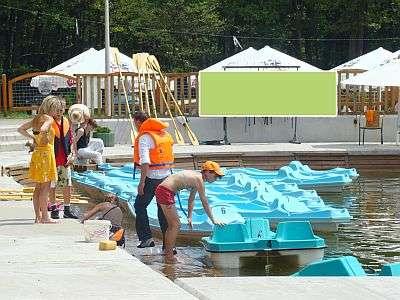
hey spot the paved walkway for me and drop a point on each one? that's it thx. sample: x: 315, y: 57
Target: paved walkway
x: 285, y: 288
x: 51, y: 261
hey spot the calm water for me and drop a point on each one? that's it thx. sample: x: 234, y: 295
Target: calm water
x: 373, y: 236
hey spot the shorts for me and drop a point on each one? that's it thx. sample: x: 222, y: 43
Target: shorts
x: 64, y: 177
x: 164, y: 195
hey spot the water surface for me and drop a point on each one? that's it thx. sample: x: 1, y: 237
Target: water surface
x: 373, y: 236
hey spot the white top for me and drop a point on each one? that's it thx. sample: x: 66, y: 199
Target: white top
x: 145, y: 144
x: 367, y: 61
x: 266, y: 56
x: 384, y: 75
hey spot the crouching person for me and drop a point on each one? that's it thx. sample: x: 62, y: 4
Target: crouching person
x: 109, y: 210
x: 165, y: 196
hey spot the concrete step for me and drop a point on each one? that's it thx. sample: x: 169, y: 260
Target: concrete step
x: 10, y: 136
x: 9, y: 128
x: 18, y: 145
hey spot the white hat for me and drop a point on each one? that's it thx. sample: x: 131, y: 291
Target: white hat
x: 78, y: 112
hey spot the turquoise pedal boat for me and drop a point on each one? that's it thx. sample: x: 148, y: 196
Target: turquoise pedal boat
x: 332, y: 180
x: 345, y: 266
x: 237, y: 195
x: 229, y: 245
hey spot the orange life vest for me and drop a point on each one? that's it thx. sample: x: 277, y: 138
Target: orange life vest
x: 64, y: 139
x: 65, y: 128
x: 161, y: 156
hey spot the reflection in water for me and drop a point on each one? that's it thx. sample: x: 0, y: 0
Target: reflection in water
x: 373, y: 236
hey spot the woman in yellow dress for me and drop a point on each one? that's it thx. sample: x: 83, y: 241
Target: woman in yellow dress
x: 42, y: 169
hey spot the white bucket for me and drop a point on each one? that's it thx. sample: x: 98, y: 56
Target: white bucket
x: 96, y: 230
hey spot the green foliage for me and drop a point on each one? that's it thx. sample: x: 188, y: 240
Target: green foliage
x: 15, y: 115
x: 102, y: 129
x: 189, y: 35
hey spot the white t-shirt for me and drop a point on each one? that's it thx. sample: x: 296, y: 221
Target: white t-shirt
x: 145, y: 144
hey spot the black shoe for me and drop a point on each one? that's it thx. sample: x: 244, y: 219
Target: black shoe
x: 54, y: 214
x: 146, y: 244
x: 68, y: 214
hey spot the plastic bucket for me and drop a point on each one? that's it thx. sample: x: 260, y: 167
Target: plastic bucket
x: 96, y: 230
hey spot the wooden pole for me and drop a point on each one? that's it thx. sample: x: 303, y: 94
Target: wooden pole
x: 3, y: 92
x: 9, y: 96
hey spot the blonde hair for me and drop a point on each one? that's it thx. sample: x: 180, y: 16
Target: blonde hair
x: 50, y: 104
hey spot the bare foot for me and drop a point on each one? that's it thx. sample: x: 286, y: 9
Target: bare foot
x: 37, y: 220
x: 48, y: 221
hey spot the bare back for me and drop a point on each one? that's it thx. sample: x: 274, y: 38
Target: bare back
x: 38, y: 121
x: 183, y: 180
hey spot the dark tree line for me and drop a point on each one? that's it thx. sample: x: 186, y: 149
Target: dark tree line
x: 188, y: 35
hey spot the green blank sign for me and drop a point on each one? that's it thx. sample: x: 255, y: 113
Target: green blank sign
x: 267, y: 94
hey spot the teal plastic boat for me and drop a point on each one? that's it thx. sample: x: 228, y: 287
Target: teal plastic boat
x: 230, y: 244
x: 321, y: 181
x: 234, y: 197
x: 345, y: 266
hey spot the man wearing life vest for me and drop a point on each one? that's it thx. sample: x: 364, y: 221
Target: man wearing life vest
x: 62, y: 152
x: 153, y: 152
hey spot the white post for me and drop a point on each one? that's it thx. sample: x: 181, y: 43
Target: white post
x: 107, y: 87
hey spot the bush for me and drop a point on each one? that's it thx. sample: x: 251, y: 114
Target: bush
x: 103, y: 129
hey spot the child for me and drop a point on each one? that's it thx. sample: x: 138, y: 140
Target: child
x: 42, y: 169
x: 64, y: 154
x: 109, y: 210
x: 87, y: 147
x: 193, y: 181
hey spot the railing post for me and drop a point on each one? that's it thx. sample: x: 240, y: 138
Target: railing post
x: 4, y: 92
x: 9, y: 101
x: 78, y: 89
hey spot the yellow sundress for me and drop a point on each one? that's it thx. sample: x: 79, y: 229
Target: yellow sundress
x: 43, y: 163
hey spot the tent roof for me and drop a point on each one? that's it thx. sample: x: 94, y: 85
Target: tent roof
x: 272, y: 57
x: 73, y: 63
x: 242, y: 58
x: 92, y: 62
x: 366, y: 61
x: 384, y: 75
x: 266, y: 56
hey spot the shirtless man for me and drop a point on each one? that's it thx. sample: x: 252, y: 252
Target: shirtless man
x: 165, y: 196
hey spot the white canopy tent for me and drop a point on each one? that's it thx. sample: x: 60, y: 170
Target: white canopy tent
x: 89, y: 62
x: 272, y: 57
x: 265, y: 59
x: 384, y: 75
x: 366, y: 61
x: 244, y: 57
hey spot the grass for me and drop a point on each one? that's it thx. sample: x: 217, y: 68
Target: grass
x: 15, y: 115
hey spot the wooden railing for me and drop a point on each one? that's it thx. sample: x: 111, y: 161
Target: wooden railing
x: 93, y: 90
x: 3, y: 93
x: 90, y: 89
x: 356, y: 99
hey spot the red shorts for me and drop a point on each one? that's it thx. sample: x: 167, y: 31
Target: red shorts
x: 164, y: 195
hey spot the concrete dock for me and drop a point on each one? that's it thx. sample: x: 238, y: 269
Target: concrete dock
x: 52, y: 261
x: 284, y: 288
x: 43, y: 261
